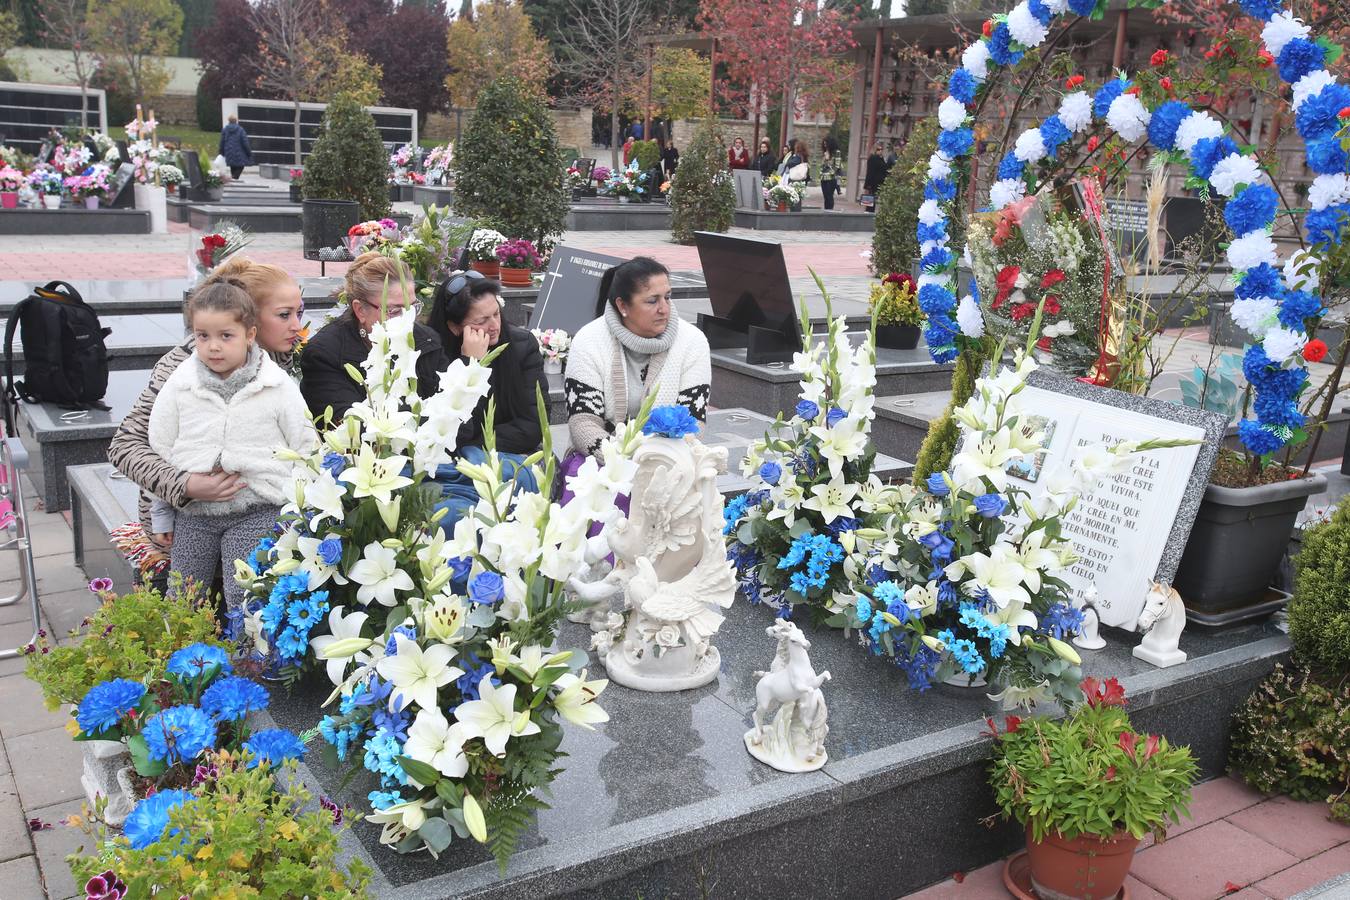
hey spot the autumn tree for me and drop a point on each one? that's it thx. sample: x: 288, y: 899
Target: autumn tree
x: 130, y: 36
x: 226, y: 51
x: 498, y: 41
x: 294, y: 40
x: 776, y: 50
x: 407, y: 42
x: 66, y: 25
x: 681, y: 83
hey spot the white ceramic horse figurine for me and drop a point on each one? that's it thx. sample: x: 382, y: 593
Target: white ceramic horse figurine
x: 795, y: 741
x: 1163, y: 618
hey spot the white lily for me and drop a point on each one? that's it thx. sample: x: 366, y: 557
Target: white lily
x: 376, y: 477
x: 1015, y: 616
x: 985, y: 458
x: 402, y: 819
x: 494, y: 718
x: 1036, y: 558
x: 379, y: 575
x: 787, y: 497
x: 417, y: 674
x: 833, y: 500
x: 845, y: 441
x: 576, y: 699
x: 999, y: 572
x: 342, y: 627
x: 434, y: 741
x: 319, y: 571
x: 443, y: 618
x: 323, y: 499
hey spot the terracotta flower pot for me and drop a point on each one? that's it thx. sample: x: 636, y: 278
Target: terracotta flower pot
x: 782, y: 207
x: 512, y: 277
x: 489, y: 269
x: 1085, y: 868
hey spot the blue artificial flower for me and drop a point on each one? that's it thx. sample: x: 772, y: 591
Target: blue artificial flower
x: 1257, y: 438
x: 1299, y: 306
x: 470, y: 684
x: 807, y: 410
x: 942, y: 189
x: 956, y: 143
x: 1260, y: 281
x: 934, y: 299
x: 391, y: 645
x: 392, y: 722
x: 863, y: 609
x: 919, y: 665
x: 1054, y: 133
x: 1061, y: 620
x: 273, y: 615
x: 1010, y: 167
x: 1326, y: 156
x: 842, y: 524
x: 1209, y: 152
x: 1252, y: 210
x: 990, y: 506
x: 962, y: 85
x: 106, y: 703
x: 1001, y: 46
x: 1263, y: 10
x: 486, y: 588
x: 1162, y: 128
x: 937, y: 485
x: 199, y: 659
x: 965, y: 653
x: 946, y: 637
x: 770, y: 472
x: 888, y: 592
x: 257, y: 557
x: 671, y: 421
x: 290, y: 643
x: 936, y: 259
x: 340, y: 736
x: 231, y: 699
x: 382, y: 753
x: 948, y: 598
x: 179, y: 734
x: 802, y: 582
x: 733, y: 512
x: 333, y: 463
x: 939, y: 546
x: 1083, y: 7
x: 1107, y: 94
x: 1319, y: 116
x: 1042, y: 12
x: 384, y: 799
x: 1324, y: 226
x: 330, y: 551
x: 304, y: 612
x: 1298, y: 58
x: 879, y: 627
x: 460, y: 567
x: 273, y: 746
x: 934, y: 231
x: 1273, y: 409
x: 150, y: 817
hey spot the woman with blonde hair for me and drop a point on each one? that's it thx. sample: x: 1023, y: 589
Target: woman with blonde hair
x: 376, y: 286
x: 279, y: 309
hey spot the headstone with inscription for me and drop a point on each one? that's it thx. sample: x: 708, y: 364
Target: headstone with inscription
x: 1127, y: 223
x: 120, y: 187
x: 749, y: 189
x: 567, y: 299
x: 1133, y: 529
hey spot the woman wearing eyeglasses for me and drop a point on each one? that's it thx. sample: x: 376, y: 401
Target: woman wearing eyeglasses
x: 373, y: 279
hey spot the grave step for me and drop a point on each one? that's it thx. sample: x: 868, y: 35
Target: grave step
x: 74, y: 221
x: 619, y: 217
x: 130, y: 298
x: 101, y: 499
x: 902, y: 421
x: 258, y: 219
x: 807, y: 220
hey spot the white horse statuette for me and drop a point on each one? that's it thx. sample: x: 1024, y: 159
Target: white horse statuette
x: 795, y: 740
x: 1163, y: 618
x: 1088, y: 638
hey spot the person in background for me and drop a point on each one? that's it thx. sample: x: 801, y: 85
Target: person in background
x: 235, y: 148
x: 738, y: 157
x: 628, y: 150
x: 874, y: 175
x: 638, y: 130
x: 765, y: 161
x: 670, y: 158
x: 830, y: 166
x: 891, y: 156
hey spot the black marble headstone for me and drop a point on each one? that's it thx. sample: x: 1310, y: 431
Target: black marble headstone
x: 1184, y: 218
x: 192, y: 169
x: 750, y: 295
x: 119, y: 186
x: 571, y: 287
x: 123, y: 151
x: 1127, y: 221
x: 585, y: 165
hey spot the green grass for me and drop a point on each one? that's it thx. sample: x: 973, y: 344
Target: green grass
x: 204, y: 142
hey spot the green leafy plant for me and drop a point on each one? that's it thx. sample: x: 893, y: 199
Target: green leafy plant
x: 647, y: 154
x: 507, y: 165
x: 1292, y: 736
x: 1219, y: 388
x: 894, y: 244
x: 702, y: 195
x: 1090, y: 772
x: 131, y: 637
x: 348, y: 161
x: 238, y: 835
x: 895, y: 301
x: 1319, y: 611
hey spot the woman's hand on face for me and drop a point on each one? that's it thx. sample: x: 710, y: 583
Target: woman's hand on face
x: 476, y: 342
x: 214, y: 486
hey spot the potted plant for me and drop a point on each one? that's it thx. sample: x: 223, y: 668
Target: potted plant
x: 517, y: 259
x: 628, y: 184
x: 297, y: 185
x: 47, y: 183
x: 782, y: 195
x: 895, y: 304
x: 89, y: 186
x: 553, y: 344
x: 11, y: 182
x: 174, y: 179
x: 214, y: 184
x: 482, y: 247
x: 1087, y: 788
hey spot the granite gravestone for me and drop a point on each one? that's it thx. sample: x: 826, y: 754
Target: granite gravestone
x: 192, y: 168
x: 751, y: 297
x: 1133, y: 529
x: 585, y: 166
x: 567, y: 299
x: 1127, y: 223
x: 119, y: 186
x: 749, y: 189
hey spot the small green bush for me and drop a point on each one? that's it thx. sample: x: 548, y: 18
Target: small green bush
x: 348, y: 161
x: 895, y: 244
x: 702, y: 195
x: 1292, y: 736
x: 647, y: 154
x: 1319, y: 611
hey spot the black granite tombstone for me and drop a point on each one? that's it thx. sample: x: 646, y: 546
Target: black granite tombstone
x: 120, y: 187
x: 571, y: 288
x: 192, y: 171
x: 1127, y: 222
x: 751, y: 297
x: 1183, y: 220
x: 585, y: 165
x: 123, y: 151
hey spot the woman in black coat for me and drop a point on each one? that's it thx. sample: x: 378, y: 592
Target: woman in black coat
x: 234, y: 146
x: 766, y: 162
x: 874, y: 175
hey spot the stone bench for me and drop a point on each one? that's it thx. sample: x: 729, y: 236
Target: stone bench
x: 101, y: 499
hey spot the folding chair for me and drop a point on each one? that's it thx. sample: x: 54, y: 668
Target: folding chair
x: 14, y: 528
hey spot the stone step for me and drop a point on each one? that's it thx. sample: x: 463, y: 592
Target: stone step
x: 807, y: 220
x: 74, y: 221
x: 132, y: 297
x: 101, y: 499
x: 619, y: 217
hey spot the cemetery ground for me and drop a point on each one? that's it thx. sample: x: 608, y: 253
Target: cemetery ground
x: 1236, y: 842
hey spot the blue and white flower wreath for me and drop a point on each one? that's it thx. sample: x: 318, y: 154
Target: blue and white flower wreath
x: 1276, y: 306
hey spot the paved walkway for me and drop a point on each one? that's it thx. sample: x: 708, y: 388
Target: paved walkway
x: 1236, y: 844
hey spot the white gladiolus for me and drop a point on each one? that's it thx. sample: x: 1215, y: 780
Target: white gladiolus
x: 1302, y: 280
x: 1256, y: 315
x: 1029, y: 146
x: 1282, y: 343
x: 1195, y: 127
x: 1311, y: 84
x: 930, y: 213
x: 1252, y: 249
x: 1128, y: 117
x: 1006, y: 192
x: 1025, y: 28
x: 969, y: 317
x: 1075, y: 111
x: 1282, y: 29
x: 951, y: 114
x: 975, y: 60
x: 1329, y: 190
x: 1233, y: 170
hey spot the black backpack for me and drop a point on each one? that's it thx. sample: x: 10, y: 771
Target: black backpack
x: 65, y: 359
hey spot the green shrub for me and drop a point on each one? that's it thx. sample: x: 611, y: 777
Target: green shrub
x: 702, y: 195
x: 131, y: 637
x: 647, y: 154
x: 1292, y: 736
x: 894, y: 243
x: 1319, y: 612
x: 348, y: 161
x: 508, y: 166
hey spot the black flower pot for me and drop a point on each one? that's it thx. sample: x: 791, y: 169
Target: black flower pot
x: 898, y: 337
x: 296, y: 194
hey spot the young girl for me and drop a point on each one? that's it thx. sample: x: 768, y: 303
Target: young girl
x: 227, y: 408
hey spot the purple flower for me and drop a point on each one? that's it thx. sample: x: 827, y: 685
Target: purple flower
x: 333, y: 809
x: 100, y: 585
x: 105, y: 887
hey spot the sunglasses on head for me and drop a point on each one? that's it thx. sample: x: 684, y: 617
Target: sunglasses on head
x: 461, y: 281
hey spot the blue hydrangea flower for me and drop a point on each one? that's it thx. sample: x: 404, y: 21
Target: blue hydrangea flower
x: 1107, y: 94
x: 150, y: 817
x: 671, y: 422
x: 770, y: 472
x: 231, y: 699
x: 1162, y: 128
x: 934, y: 231
x: 937, y: 485
x: 179, y: 734
x: 807, y: 410
x: 1054, y: 133
x: 941, y: 189
x: 1257, y: 438
x: 194, y: 660
x: 990, y: 506
x: 273, y: 746
x: 957, y: 142
x: 1042, y: 12
x: 487, y: 588
x: 1001, y: 46
x: 330, y: 551
x: 1252, y: 210
x: 107, y: 703
x: 1326, y: 156
x: 1009, y: 167
x: 1299, y: 306
x: 1298, y: 58
x: 333, y: 463
x: 1273, y: 409
x: 962, y: 86
x: 936, y: 259
x: 1260, y: 281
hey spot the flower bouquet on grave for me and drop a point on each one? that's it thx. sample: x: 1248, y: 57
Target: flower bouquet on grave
x: 788, y: 536
x: 437, y: 645
x: 437, y: 164
x: 574, y: 180
x: 71, y: 159
x: 11, y: 179
x: 976, y: 591
x: 628, y: 182
x: 553, y: 344
x: 400, y: 161
x: 600, y: 175
x: 779, y: 191
x: 219, y: 246
x: 374, y: 234
x: 46, y: 181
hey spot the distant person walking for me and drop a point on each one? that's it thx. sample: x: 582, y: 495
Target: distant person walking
x: 829, y: 170
x: 235, y: 148
x: 873, y: 177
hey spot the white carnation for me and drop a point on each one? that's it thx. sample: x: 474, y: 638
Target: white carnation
x: 1310, y: 84
x: 975, y: 60
x: 1329, y: 190
x: 1252, y: 249
x: 930, y: 213
x: 1256, y: 315
x: 1029, y: 147
x: 1075, y: 111
x: 1281, y: 343
x: 1195, y: 127
x: 1280, y: 30
x: 1233, y: 170
x: 1306, y: 280
x: 1025, y: 28
x: 1128, y: 117
x: 969, y: 317
x: 951, y: 114
x: 941, y: 280
x: 1006, y: 192
x: 1057, y: 6
x: 939, y: 166
x: 929, y: 246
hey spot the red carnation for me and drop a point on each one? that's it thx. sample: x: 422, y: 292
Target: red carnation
x: 1052, y: 307
x: 1073, y: 82
x: 1344, y: 113
x: 1092, y: 143
x: 1023, y: 311
x: 1133, y: 89
x: 988, y: 28
x: 1006, y: 280
x: 1052, y: 278
x: 1315, y: 350
x: 1264, y: 59
x: 1158, y: 58
x: 1166, y: 84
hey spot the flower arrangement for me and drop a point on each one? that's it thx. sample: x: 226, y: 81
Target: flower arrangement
x: 436, y: 643
x: 778, y: 190
x: 629, y: 182
x: 553, y: 343
x: 146, y: 159
x: 895, y: 301
x: 600, y: 174
x: 437, y: 163
x: 374, y: 234
x: 13, y: 156
x: 211, y: 179
x: 427, y: 249
x: 483, y: 244
x: 518, y: 254
x: 575, y: 180
x: 171, y: 175
x: 219, y: 246
x: 1089, y: 773
x: 71, y: 159
x: 233, y: 829
x: 400, y: 161
x: 11, y: 179
x: 45, y: 180
x: 139, y: 127
x: 92, y: 182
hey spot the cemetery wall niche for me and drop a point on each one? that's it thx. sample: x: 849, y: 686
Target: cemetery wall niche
x: 271, y: 126
x: 28, y: 112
